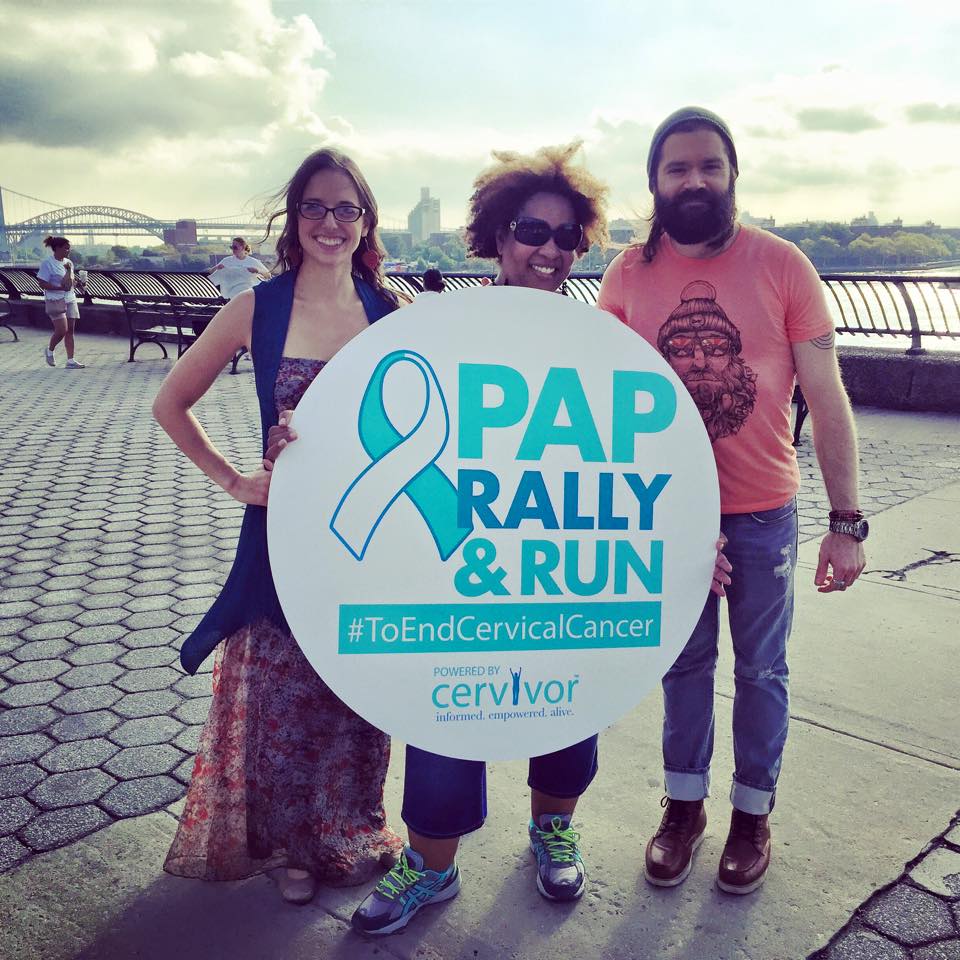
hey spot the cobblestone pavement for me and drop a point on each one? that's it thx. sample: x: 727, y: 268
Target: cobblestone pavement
x: 112, y: 545
x: 915, y: 918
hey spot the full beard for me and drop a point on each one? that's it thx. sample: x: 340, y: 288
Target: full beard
x: 724, y: 400
x: 713, y: 222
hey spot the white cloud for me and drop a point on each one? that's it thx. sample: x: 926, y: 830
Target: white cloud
x: 139, y: 73
x: 190, y: 108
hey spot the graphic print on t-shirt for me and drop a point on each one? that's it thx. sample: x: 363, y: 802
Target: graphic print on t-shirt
x: 703, y: 347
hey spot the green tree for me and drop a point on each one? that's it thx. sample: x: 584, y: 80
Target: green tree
x: 456, y: 250
x: 391, y: 243
x: 861, y: 248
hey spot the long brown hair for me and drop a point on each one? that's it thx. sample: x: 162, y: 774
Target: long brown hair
x: 289, y: 252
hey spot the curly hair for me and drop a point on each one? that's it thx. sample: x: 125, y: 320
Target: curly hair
x: 502, y: 189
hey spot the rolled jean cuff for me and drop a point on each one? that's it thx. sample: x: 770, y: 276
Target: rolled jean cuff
x: 566, y: 773
x: 686, y: 786
x: 751, y: 799
x: 460, y: 830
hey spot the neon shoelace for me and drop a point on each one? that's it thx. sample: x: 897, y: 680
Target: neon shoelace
x: 401, y: 877
x: 560, y: 842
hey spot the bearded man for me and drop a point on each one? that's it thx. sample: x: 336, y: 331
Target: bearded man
x: 740, y: 362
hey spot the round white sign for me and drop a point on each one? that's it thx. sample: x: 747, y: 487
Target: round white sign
x: 495, y: 532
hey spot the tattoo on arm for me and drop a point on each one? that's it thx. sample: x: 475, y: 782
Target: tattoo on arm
x: 824, y: 342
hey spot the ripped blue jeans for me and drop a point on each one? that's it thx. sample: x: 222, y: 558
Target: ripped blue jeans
x: 763, y: 550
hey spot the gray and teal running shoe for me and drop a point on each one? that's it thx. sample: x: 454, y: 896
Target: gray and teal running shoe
x: 402, y: 892
x: 560, y: 873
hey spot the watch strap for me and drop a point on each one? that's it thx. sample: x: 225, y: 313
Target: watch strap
x: 846, y: 515
x: 857, y: 529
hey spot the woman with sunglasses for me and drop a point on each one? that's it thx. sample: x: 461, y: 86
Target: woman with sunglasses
x: 286, y: 775
x: 535, y: 215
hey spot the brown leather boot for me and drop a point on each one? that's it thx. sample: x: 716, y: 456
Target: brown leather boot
x: 669, y: 854
x: 746, y: 855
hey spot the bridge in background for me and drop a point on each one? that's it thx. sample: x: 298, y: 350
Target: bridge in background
x: 26, y: 220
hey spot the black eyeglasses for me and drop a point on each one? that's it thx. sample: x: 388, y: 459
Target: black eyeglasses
x: 345, y: 212
x: 532, y: 232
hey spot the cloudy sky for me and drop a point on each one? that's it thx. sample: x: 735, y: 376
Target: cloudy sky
x: 201, y: 108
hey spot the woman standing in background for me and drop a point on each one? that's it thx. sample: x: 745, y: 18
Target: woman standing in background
x: 239, y: 271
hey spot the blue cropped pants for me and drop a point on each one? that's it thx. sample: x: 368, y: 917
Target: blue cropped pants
x: 444, y: 797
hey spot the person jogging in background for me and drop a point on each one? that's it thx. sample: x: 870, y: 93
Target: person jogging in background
x: 56, y: 277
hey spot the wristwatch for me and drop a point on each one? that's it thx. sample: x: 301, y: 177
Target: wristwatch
x: 850, y: 522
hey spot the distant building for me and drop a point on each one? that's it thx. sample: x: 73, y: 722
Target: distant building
x: 765, y: 223
x: 626, y: 231
x: 424, y: 218
x: 183, y: 234
x: 896, y: 224
x: 869, y: 220
x: 439, y: 237
x: 397, y: 242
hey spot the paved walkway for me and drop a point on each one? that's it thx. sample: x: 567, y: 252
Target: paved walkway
x: 111, y: 547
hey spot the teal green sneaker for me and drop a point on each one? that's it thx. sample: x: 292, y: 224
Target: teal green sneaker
x: 402, y: 892
x: 560, y: 873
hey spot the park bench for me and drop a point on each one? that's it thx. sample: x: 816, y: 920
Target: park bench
x: 169, y: 319
x: 5, y: 317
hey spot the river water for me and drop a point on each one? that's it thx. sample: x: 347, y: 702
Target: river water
x: 937, y: 308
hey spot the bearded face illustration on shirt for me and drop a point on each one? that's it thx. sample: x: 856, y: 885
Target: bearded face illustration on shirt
x: 703, y: 347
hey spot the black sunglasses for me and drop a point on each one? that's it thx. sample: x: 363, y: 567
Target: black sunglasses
x: 532, y: 232
x: 345, y: 212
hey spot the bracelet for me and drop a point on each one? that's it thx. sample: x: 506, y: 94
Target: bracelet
x: 846, y: 515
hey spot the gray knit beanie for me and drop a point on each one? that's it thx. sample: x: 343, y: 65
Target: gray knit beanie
x: 682, y: 116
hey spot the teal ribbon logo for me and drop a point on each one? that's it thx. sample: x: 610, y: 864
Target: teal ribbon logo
x: 401, y: 463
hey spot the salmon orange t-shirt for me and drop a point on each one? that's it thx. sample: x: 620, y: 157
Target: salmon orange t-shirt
x: 726, y: 325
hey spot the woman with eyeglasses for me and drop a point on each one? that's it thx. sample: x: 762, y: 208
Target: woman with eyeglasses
x: 286, y: 775
x: 239, y: 271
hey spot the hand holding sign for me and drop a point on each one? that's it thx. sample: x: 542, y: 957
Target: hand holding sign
x: 515, y: 504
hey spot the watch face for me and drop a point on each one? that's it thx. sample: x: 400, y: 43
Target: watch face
x: 863, y: 528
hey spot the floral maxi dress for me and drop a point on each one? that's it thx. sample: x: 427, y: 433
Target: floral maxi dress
x: 286, y: 775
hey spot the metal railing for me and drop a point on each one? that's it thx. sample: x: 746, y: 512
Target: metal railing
x: 923, y: 308
x: 896, y: 306
x: 108, y: 286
